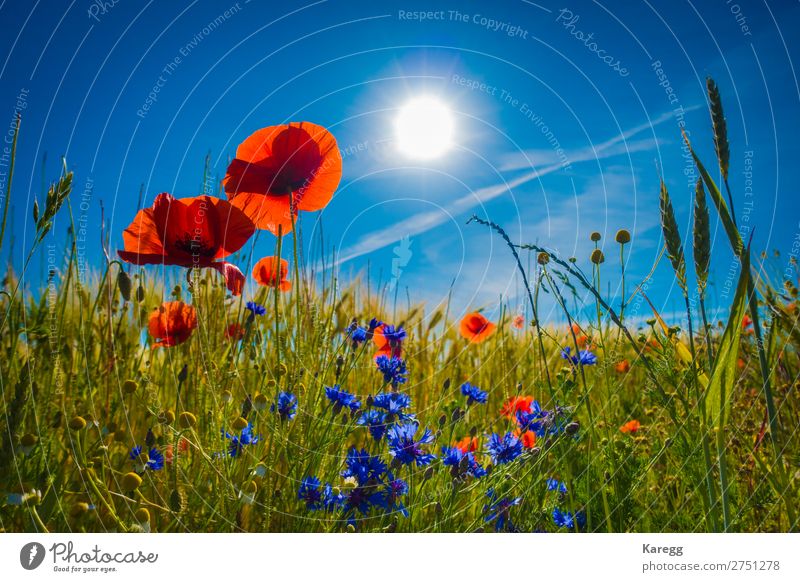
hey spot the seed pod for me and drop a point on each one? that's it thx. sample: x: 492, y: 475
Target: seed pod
x: 129, y: 387
x: 597, y: 257
x: 140, y: 293
x: 543, y: 258
x: 623, y: 236
x: 595, y: 236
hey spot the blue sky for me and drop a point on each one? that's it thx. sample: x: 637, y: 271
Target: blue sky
x: 552, y: 141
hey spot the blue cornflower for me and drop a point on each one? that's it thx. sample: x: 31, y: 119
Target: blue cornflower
x: 405, y: 449
x: 473, y: 394
x: 503, y: 449
x: 244, y: 439
x: 497, y: 510
x: 153, y: 460
x: 394, y: 335
x: 331, y: 500
x: 389, y: 497
x: 358, y: 335
x: 376, y: 421
x: 393, y: 369
x: 462, y: 463
x: 309, y: 492
x: 341, y: 399
x: 286, y: 405
x: 584, y: 357
x: 532, y: 420
x: 569, y: 520
x: 556, y: 485
x: 255, y: 308
x: 357, y: 499
x: 393, y: 403
x: 363, y: 466
x: 374, y: 323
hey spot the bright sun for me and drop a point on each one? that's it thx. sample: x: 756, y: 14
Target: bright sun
x: 424, y: 128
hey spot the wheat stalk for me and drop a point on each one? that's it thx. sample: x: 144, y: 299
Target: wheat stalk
x: 702, y: 237
x: 672, y: 237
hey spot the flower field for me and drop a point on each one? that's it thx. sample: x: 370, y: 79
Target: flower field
x: 189, y: 387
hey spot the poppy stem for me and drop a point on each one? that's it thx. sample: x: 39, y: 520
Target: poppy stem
x: 276, y: 291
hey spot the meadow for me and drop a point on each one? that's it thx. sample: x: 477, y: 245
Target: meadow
x: 154, y: 395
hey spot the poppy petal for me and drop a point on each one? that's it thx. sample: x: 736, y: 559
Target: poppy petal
x: 234, y: 278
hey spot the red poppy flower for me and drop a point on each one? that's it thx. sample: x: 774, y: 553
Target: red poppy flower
x: 528, y: 438
x: 385, y: 347
x: 467, y: 444
x: 283, y: 169
x: 265, y: 273
x: 172, y: 323
x: 623, y: 367
x: 518, y: 322
x: 632, y: 427
x: 189, y: 232
x: 476, y: 328
x: 516, y: 404
x: 234, y: 332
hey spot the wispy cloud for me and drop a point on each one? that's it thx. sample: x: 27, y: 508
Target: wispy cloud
x: 425, y: 221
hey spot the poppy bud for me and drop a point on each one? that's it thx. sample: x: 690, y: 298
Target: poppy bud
x: 140, y: 293
x: 125, y: 285
x: 175, y: 501
x: 623, y: 236
x: 130, y: 481
x: 77, y: 423
x: 239, y: 424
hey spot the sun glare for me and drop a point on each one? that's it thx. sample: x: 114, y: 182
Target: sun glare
x: 424, y: 128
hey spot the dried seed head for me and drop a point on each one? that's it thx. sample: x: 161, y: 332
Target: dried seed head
x: 542, y: 258
x: 166, y: 417
x: 129, y: 386
x: 187, y: 420
x: 595, y: 236
x: 597, y: 257
x: 130, y: 481
x: 79, y: 509
x: 77, y: 423
x: 260, y: 402
x: 623, y: 236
